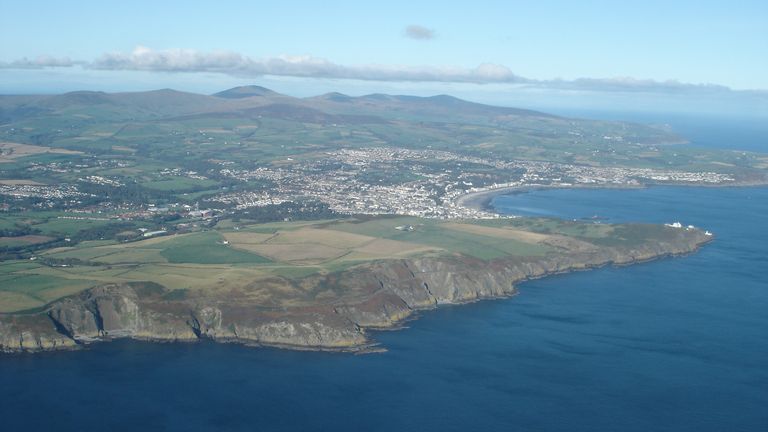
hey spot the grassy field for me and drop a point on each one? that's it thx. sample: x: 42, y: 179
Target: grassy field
x: 578, y: 229
x: 248, y: 257
x: 205, y: 248
x: 67, y: 226
x: 10, y: 151
x: 53, y: 223
x: 179, y: 184
x: 428, y: 232
x: 24, y: 240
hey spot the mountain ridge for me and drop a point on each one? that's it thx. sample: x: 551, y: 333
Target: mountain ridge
x: 170, y: 102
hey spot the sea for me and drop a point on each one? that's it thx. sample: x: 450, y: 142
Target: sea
x: 678, y: 344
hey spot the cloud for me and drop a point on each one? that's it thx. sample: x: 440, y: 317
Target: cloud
x: 629, y: 84
x: 39, y: 62
x: 178, y: 60
x: 418, y: 32
x: 173, y: 60
x: 238, y: 65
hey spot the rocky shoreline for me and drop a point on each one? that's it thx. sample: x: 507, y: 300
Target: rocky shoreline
x: 382, y: 296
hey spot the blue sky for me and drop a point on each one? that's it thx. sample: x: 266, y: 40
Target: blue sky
x: 548, y: 43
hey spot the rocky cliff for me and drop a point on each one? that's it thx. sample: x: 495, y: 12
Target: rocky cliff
x: 380, y: 295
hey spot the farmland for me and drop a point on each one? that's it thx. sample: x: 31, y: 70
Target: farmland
x: 251, y: 257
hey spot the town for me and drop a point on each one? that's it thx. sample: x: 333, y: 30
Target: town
x: 376, y: 180
x: 340, y: 179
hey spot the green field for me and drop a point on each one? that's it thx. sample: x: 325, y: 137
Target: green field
x: 430, y: 232
x: 179, y: 184
x: 239, y: 255
x: 206, y: 248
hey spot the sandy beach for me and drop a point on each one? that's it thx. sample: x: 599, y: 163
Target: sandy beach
x: 481, y: 200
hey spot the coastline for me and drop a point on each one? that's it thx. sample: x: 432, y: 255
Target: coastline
x: 481, y: 200
x: 400, y: 291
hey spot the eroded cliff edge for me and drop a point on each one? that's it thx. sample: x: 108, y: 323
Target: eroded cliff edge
x: 376, y: 295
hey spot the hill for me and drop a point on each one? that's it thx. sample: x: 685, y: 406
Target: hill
x: 246, y: 92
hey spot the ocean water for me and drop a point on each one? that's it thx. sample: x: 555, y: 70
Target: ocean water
x: 679, y: 344
x: 730, y: 132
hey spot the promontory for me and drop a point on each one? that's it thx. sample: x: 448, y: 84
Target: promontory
x: 318, y: 285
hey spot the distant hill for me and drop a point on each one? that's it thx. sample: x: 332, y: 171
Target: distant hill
x: 448, y: 103
x: 89, y: 117
x: 440, y: 108
x: 245, y: 92
x: 76, y: 98
x: 335, y: 97
x: 247, y: 101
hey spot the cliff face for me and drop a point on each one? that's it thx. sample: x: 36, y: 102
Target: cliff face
x: 31, y: 333
x: 114, y: 311
x: 385, y: 293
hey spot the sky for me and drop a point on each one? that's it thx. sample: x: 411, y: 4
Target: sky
x: 483, y: 49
